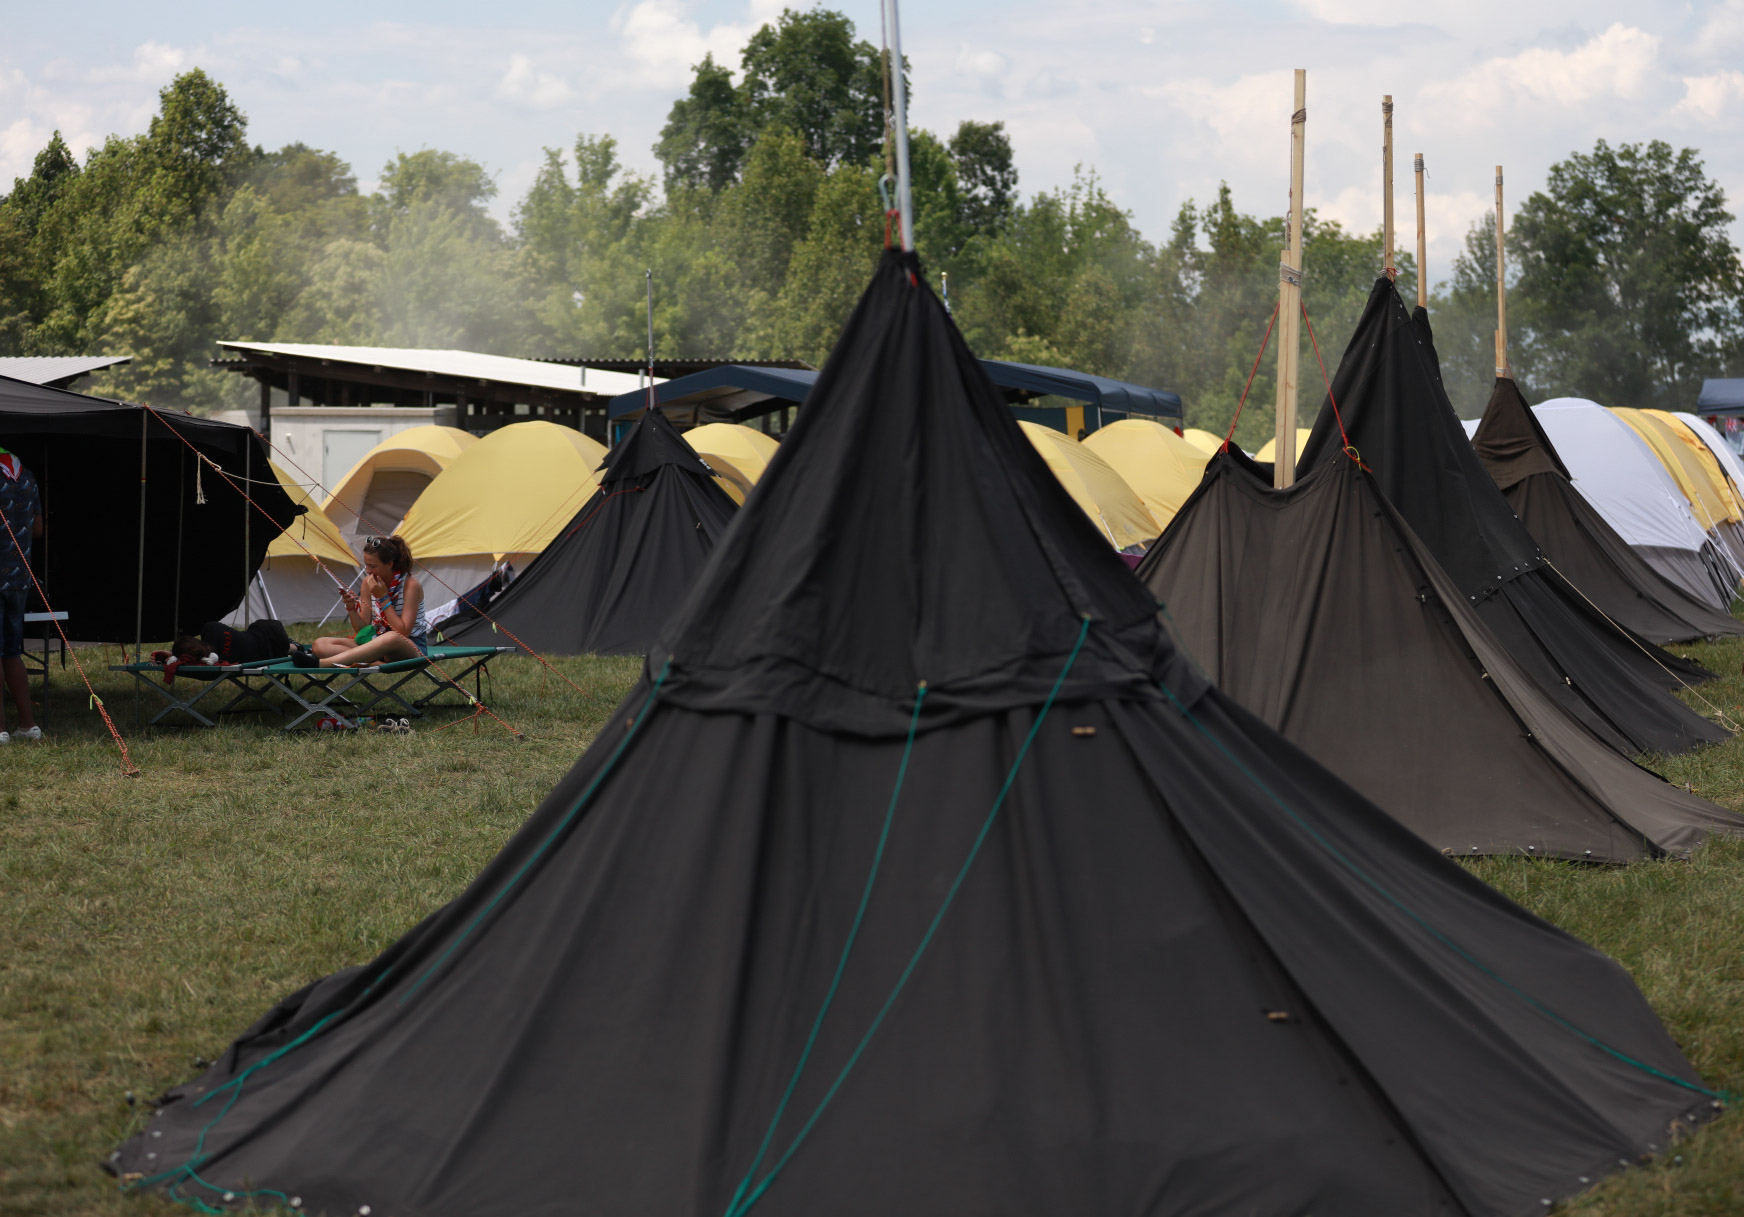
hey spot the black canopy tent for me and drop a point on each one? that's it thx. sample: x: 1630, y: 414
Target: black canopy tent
x: 1721, y: 397
x: 1392, y: 409
x: 624, y: 562
x: 725, y: 967
x: 1319, y: 609
x: 1584, y: 548
x: 140, y: 537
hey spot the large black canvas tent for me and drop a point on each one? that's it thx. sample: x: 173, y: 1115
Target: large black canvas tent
x: 1318, y: 609
x: 1392, y: 409
x: 621, y: 566
x: 1578, y: 542
x: 123, y: 494
x: 919, y: 874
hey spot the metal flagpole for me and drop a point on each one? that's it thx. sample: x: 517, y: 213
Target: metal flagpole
x: 899, y: 98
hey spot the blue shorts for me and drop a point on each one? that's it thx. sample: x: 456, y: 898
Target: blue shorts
x: 12, y: 622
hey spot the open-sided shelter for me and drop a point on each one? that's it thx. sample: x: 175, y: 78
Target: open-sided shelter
x: 1387, y: 402
x: 375, y: 494
x: 304, y: 567
x: 1618, y: 474
x: 1116, y: 510
x: 1160, y: 466
x: 620, y: 567
x: 1319, y: 610
x: 1575, y: 537
x: 503, y: 498
x: 920, y: 874
x: 142, y: 537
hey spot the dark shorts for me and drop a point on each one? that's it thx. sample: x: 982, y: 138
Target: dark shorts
x: 12, y: 622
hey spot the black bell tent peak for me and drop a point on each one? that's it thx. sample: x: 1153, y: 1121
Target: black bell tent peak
x: 1392, y: 410
x: 1318, y: 609
x: 968, y: 898
x: 1575, y: 537
x: 622, y: 565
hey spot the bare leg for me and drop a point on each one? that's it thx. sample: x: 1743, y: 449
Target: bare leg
x: 383, y: 648
x: 326, y: 648
x: 18, y: 685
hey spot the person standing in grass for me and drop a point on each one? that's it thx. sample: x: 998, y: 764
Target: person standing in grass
x: 21, y: 506
x: 389, y: 616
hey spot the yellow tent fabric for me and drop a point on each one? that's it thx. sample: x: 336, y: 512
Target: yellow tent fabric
x: 313, y: 530
x: 1203, y: 440
x: 507, y: 494
x: 1159, y: 465
x: 1710, y: 464
x: 1118, y: 513
x: 1709, y: 507
x: 391, y: 475
x: 738, y: 453
x: 1269, y: 450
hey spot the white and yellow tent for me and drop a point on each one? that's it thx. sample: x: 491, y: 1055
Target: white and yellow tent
x: 738, y: 454
x: 375, y: 494
x: 1269, y: 450
x: 1113, y: 506
x: 1159, y: 465
x: 505, y: 496
x: 1203, y: 440
x: 291, y: 585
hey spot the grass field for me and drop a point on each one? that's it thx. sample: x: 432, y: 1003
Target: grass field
x: 143, y: 922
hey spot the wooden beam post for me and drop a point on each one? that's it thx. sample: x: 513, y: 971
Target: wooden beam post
x: 1387, y: 259
x: 1501, y: 287
x: 1290, y: 298
x: 1422, y: 243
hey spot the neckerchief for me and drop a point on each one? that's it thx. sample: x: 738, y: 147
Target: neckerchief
x: 377, y: 617
x: 10, y: 465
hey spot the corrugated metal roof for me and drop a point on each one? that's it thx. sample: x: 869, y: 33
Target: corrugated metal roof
x: 471, y: 365
x: 53, y: 369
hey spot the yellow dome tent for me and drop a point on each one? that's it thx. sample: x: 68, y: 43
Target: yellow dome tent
x: 1203, y: 440
x: 505, y: 496
x: 375, y: 494
x: 291, y: 586
x: 737, y: 453
x: 1159, y: 465
x: 1269, y: 450
x: 1730, y: 526
x: 1118, y: 513
x: 1710, y: 506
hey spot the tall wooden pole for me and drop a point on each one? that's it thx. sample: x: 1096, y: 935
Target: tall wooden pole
x: 1422, y: 242
x: 1290, y: 298
x: 899, y: 102
x: 1387, y: 259
x: 1501, y: 287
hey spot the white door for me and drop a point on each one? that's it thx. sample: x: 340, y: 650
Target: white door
x: 343, y: 448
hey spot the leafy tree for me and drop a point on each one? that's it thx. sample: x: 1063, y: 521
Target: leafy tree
x: 807, y: 73
x: 986, y: 175
x: 442, y: 181
x: 704, y: 140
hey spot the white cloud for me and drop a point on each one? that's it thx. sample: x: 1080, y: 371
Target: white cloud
x: 524, y: 84
x: 1711, y: 97
x: 153, y: 63
x: 665, y: 42
x: 1618, y: 63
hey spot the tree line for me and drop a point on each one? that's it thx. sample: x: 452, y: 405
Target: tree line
x: 764, y: 225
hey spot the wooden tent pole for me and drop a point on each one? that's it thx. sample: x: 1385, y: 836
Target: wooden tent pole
x: 899, y: 103
x: 1290, y: 298
x: 1387, y: 258
x: 1422, y: 243
x: 1501, y: 287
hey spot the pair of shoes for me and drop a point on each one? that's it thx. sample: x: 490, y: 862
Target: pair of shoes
x: 304, y: 658
x: 29, y: 735
x: 395, y: 726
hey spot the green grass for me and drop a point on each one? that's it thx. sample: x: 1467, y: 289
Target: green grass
x: 145, y: 921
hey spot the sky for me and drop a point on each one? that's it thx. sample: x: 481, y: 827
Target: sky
x: 1164, y: 99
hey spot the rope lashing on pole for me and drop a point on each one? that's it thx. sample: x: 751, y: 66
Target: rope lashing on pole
x: 219, y: 470
x: 128, y: 768
x: 479, y: 609
x: 1258, y: 355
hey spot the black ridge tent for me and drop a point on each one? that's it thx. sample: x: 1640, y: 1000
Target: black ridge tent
x: 1318, y: 609
x: 1396, y: 414
x: 968, y: 897
x: 1583, y: 547
x: 621, y: 566
x: 123, y: 495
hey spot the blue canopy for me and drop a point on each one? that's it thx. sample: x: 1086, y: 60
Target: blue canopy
x: 1721, y: 397
x: 736, y: 392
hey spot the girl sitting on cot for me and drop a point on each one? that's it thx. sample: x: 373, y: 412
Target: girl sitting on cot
x: 389, y: 615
